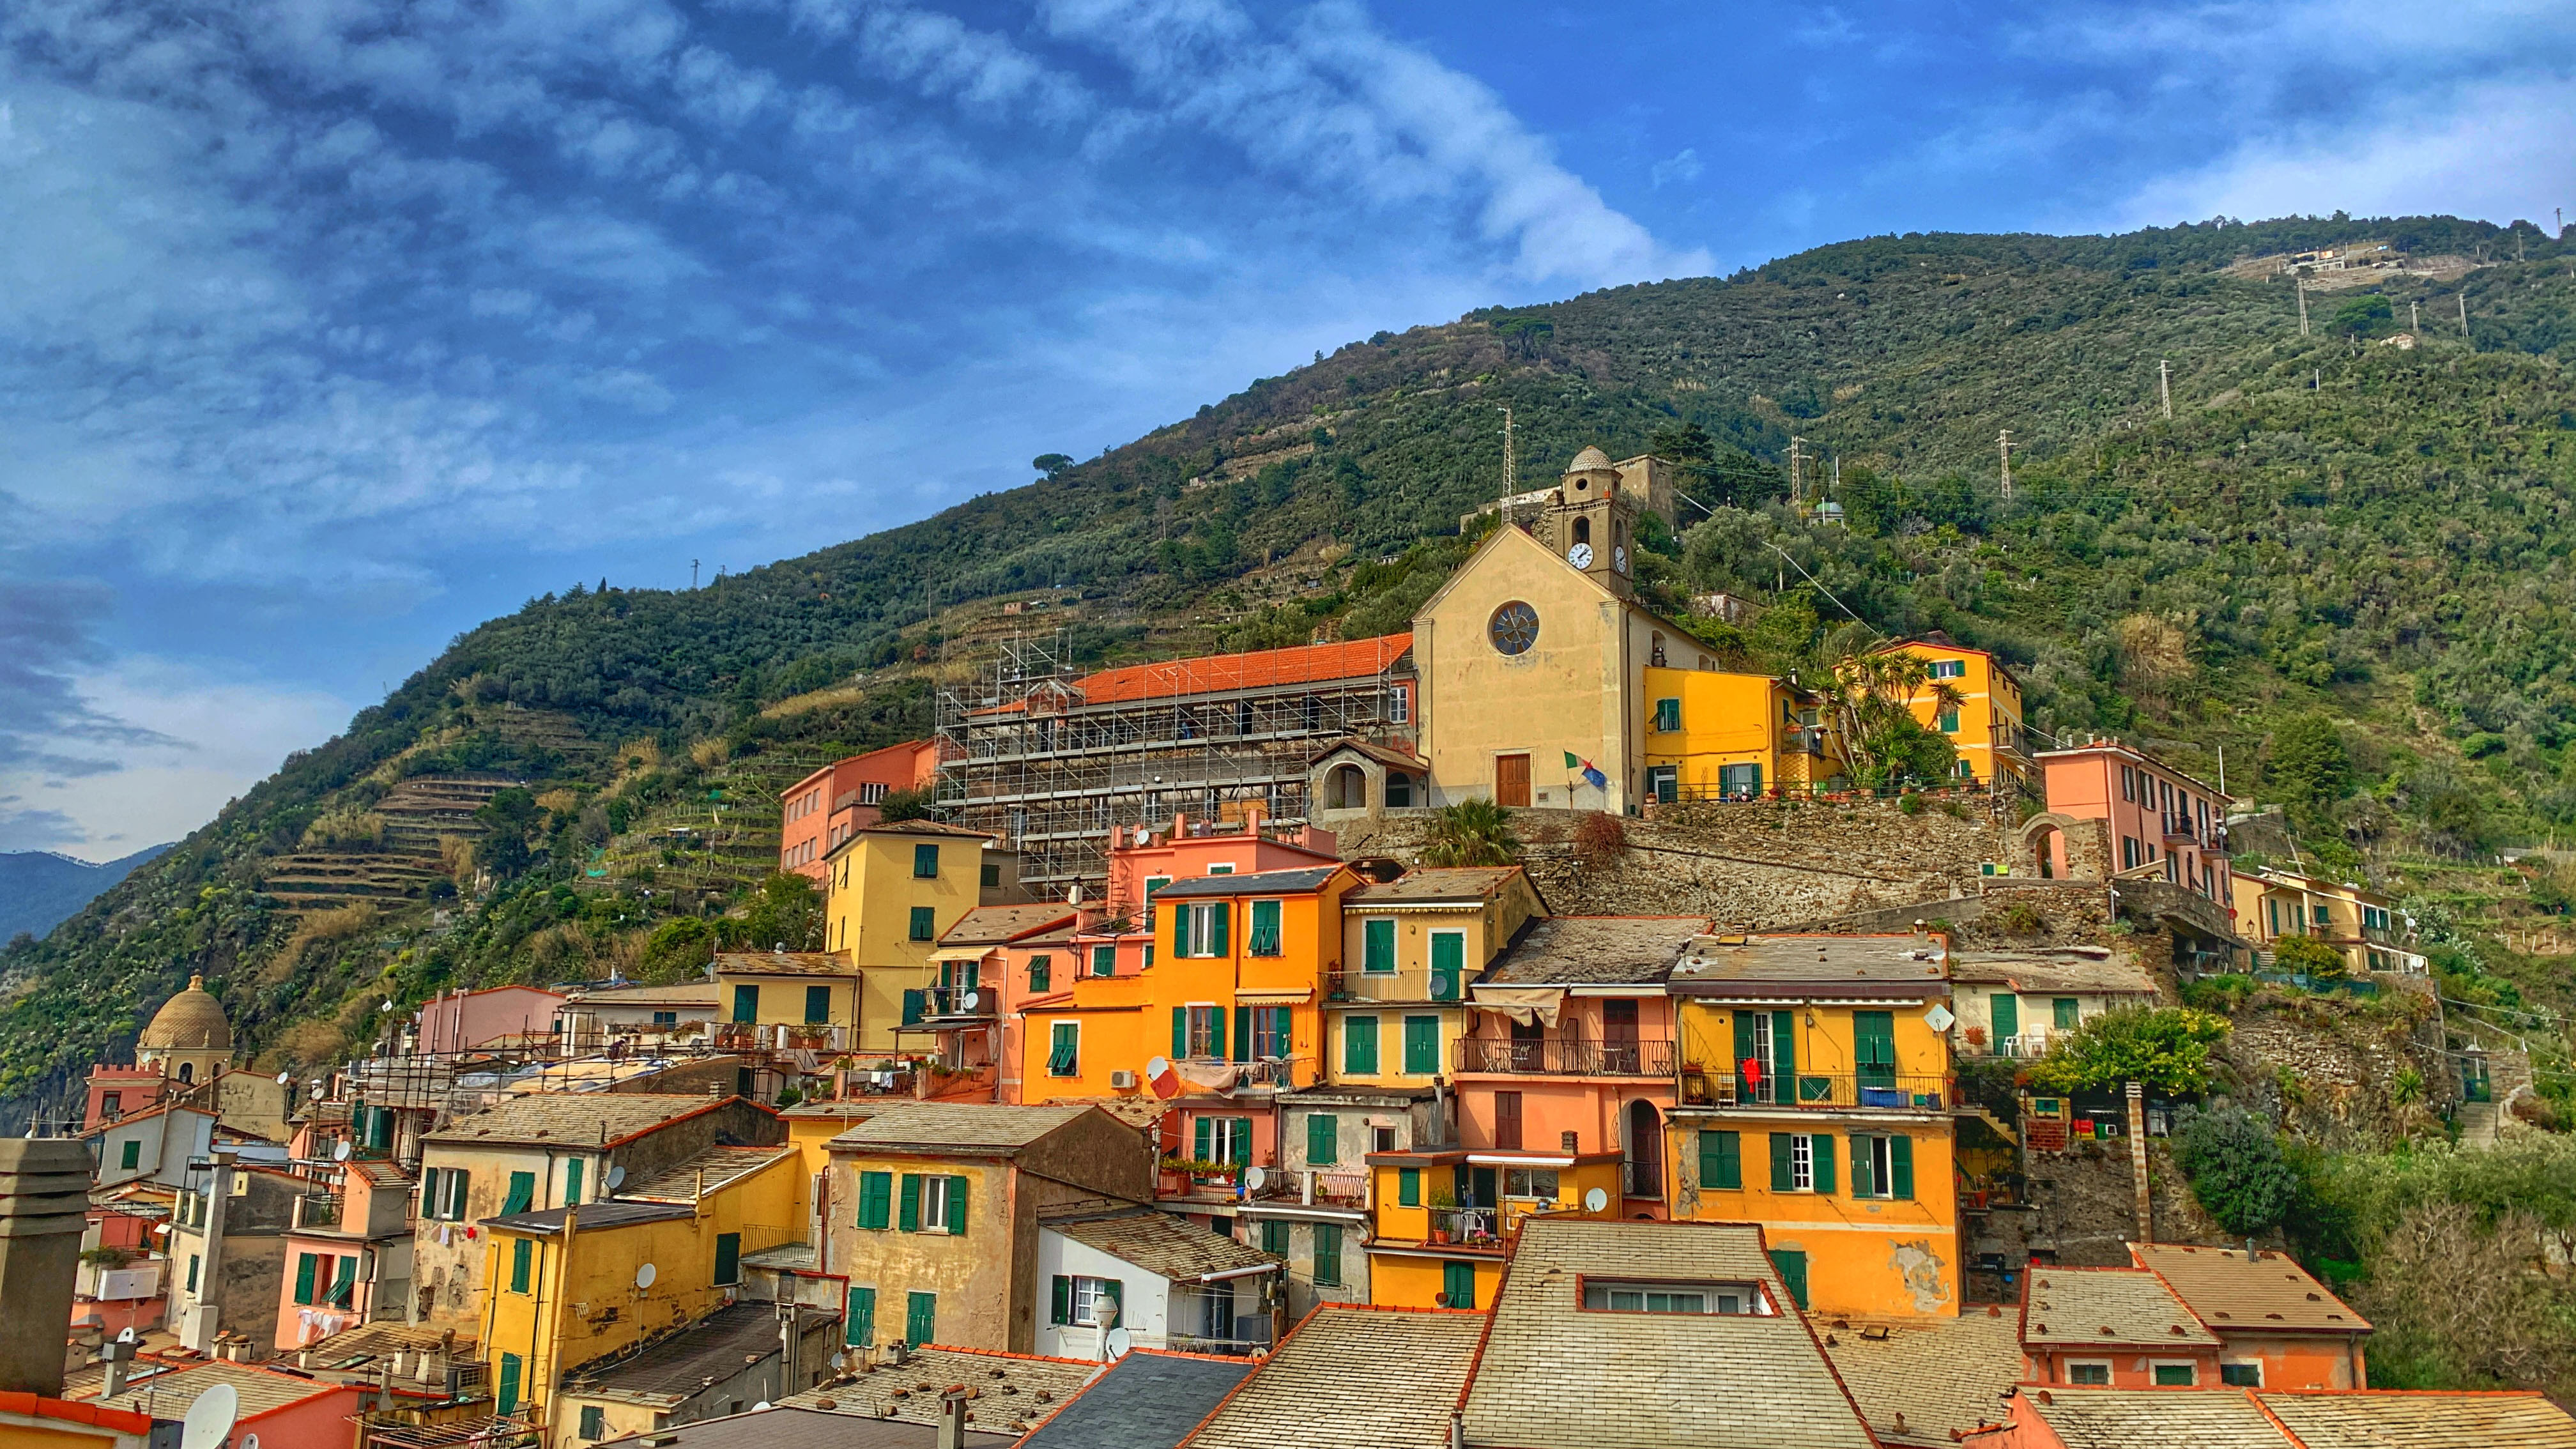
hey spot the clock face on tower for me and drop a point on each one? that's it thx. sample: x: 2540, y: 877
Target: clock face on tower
x: 1619, y: 558
x: 1580, y: 555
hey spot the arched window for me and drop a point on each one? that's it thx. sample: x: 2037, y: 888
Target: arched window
x: 1645, y: 1150
x: 1347, y: 789
x: 187, y: 1071
x: 1583, y: 530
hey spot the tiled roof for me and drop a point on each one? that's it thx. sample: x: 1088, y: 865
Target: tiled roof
x: 1147, y: 1400
x: 792, y: 1428
x: 1923, y: 1377
x: 1260, y: 883
x: 595, y: 1217
x: 994, y: 925
x: 922, y: 827
x: 1160, y: 1243
x: 582, y: 1119
x: 2072, y: 972
x: 1465, y: 883
x: 1594, y: 951
x: 679, y: 1364
x: 687, y: 993
x: 2392, y: 1419
x: 1884, y: 965
x: 784, y: 963
x: 1402, y: 759
x: 1260, y: 669
x: 1012, y: 1391
x: 388, y: 1337
x: 1552, y: 1373
x: 168, y: 1395
x: 957, y: 1126
x: 2130, y: 1307
x: 1351, y: 1376
x: 2155, y: 1418
x: 689, y: 1180
x: 2269, y: 1293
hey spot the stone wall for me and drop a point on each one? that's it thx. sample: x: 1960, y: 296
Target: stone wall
x: 2330, y: 1068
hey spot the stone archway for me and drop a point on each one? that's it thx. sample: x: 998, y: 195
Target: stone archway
x: 2047, y: 841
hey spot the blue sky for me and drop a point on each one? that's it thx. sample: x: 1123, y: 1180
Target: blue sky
x: 331, y: 327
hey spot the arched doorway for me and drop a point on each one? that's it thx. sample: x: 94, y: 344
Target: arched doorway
x: 1644, y: 1166
x: 1346, y: 789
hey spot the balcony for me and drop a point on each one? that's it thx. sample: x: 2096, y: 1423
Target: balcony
x: 1565, y: 1057
x: 317, y: 1211
x: 738, y: 1036
x: 1314, y: 1187
x: 949, y: 1005
x: 1819, y: 1091
x: 1476, y: 1227
x: 1406, y: 987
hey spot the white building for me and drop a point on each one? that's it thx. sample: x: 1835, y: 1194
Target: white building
x: 1168, y: 1284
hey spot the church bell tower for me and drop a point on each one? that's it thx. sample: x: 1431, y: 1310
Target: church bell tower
x: 1591, y: 521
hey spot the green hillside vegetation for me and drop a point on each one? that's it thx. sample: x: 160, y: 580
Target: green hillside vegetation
x: 2339, y: 573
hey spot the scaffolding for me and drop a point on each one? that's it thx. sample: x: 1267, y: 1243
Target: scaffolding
x: 1055, y: 761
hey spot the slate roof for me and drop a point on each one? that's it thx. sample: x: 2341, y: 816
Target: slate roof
x: 168, y: 1395
x: 1593, y: 951
x: 2390, y: 1419
x: 963, y: 1127
x: 595, y: 1217
x: 1928, y: 1376
x: 2141, y: 1418
x: 2128, y: 1307
x: 671, y: 1368
x: 1812, y: 965
x: 1351, y: 1376
x: 995, y: 925
x: 1552, y: 1373
x: 2269, y: 1293
x: 1160, y: 1243
x: 2067, y: 973
x: 690, y: 1178
x: 1147, y: 1400
x: 1453, y: 885
x: 1012, y: 1391
x: 784, y: 963
x: 554, y: 1119
x: 1259, y: 883
x: 687, y: 993
x: 789, y: 1428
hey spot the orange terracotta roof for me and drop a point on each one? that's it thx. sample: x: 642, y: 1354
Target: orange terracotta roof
x: 1218, y: 673
x: 34, y: 1406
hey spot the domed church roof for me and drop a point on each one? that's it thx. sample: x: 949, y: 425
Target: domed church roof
x: 190, y: 1021
x: 1588, y: 458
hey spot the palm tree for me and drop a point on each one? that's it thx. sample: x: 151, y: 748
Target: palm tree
x: 1471, y: 832
x: 1872, y: 697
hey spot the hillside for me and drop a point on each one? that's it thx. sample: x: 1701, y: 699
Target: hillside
x: 2342, y: 562
x: 40, y: 889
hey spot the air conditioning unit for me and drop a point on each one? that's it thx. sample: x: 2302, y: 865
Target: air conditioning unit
x: 1122, y: 1080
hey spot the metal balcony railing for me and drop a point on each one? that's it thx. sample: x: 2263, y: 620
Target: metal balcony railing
x: 1315, y: 1187
x: 1566, y: 1056
x: 1834, y: 1091
x: 317, y: 1212
x: 1398, y: 986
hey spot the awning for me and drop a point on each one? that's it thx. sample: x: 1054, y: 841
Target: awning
x: 1523, y: 1004
x: 961, y: 953
x: 1275, y: 998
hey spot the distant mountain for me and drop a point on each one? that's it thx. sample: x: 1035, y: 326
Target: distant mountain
x: 39, y: 890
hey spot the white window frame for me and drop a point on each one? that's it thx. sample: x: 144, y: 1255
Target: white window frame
x: 2103, y: 1364
x: 1555, y: 1192
x: 1879, y: 1167
x: 1223, y: 867
x: 1399, y: 705
x: 1221, y: 1132
x: 1200, y: 935
x: 934, y: 1202
x: 1802, y: 1162
x: 1087, y: 1295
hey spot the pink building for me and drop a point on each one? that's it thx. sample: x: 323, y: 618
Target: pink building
x: 460, y: 1021
x: 120, y: 1092
x: 1569, y: 1052
x: 993, y: 959
x: 348, y: 1255
x: 2159, y: 820
x: 835, y: 802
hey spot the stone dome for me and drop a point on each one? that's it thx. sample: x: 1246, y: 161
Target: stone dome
x: 1588, y: 458
x: 190, y: 1021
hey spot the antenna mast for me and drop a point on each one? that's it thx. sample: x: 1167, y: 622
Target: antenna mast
x: 2164, y: 386
x: 2003, y: 448
x: 1795, y: 443
x: 1511, y: 484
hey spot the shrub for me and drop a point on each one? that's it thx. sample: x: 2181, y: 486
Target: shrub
x: 901, y: 805
x: 2233, y: 1159
x: 2224, y: 994
x: 2308, y: 956
x: 2167, y: 1048
x: 1471, y: 832
x: 1599, y: 839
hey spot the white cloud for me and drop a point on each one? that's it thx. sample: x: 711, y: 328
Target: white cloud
x: 1682, y: 165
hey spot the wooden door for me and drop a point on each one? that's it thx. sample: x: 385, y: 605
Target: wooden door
x: 1512, y: 781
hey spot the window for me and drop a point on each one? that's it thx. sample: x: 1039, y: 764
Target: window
x: 1791, y: 1264
x: 876, y: 1199
x: 308, y: 1269
x: 1081, y: 1302
x: 1448, y: 964
x: 193, y: 1260
x: 1224, y: 1139
x: 2088, y: 1373
x: 1721, y: 1159
x: 1457, y: 1285
x: 925, y: 862
x: 1104, y: 960
x: 1399, y: 705
x: 818, y: 1005
x: 1949, y: 721
x: 1668, y: 716
x: 506, y: 1397
x: 925, y: 923
x: 1507, y: 1121
x: 2004, y: 1010
x: 1530, y: 1182
x: 1802, y: 1162
x: 1408, y: 1187
x: 131, y: 1154
x: 1274, y: 1239
x: 728, y: 1259
x: 1202, y: 930
x: 523, y: 1193
x: 1203, y: 1032
x: 1064, y: 1049
x: 1377, y: 946
x: 1041, y: 974
x: 523, y: 1258
x: 1663, y: 784
x: 2241, y: 1375
x: 1221, y: 870
x: 859, y: 1323
x: 2128, y: 852
x: 1265, y: 929
x: 1949, y: 669
x: 1874, y: 1048
x: 666, y: 1020
x: 943, y: 1203
x: 594, y: 1422
x: 2066, y: 1011
x: 1323, y: 1139
x: 1700, y: 1298
x: 2176, y: 1376
x: 1328, y: 1255
x: 2321, y: 915
x: 746, y: 1005
x: 1421, y: 1046
x: 920, y: 1318
x: 2128, y: 784
x: 1739, y: 782
x: 990, y: 877
x: 1882, y: 1166
x: 1359, y: 1045
x: 1272, y: 1038
x: 572, y: 1180
x: 111, y: 1104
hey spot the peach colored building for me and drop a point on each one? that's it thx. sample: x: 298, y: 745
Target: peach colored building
x: 989, y: 962
x: 348, y: 1254
x: 836, y: 801
x: 2278, y: 1328
x: 120, y: 1092
x: 1569, y: 1053
x: 2161, y: 822
x: 458, y: 1021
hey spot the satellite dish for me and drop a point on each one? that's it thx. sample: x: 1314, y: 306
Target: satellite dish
x: 761, y: 1408
x: 644, y: 1276
x: 1595, y: 1200
x: 1939, y: 1018
x: 1156, y: 1066
x: 127, y: 1335
x: 285, y: 1079
x: 250, y: 1441
x: 1073, y: 894
x: 340, y: 1153
x: 616, y: 1178
x: 1120, y: 1340
x: 1254, y: 1177
x: 1144, y: 836
x: 971, y: 1000
x: 210, y: 1418
x: 840, y: 1361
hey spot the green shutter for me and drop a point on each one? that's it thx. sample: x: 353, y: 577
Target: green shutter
x: 305, y: 1263
x: 1792, y: 1264
x: 818, y: 1005
x: 458, y: 1182
x: 920, y: 1318
x: 859, y: 1325
x: 429, y: 1198
x: 1216, y: 1032
x: 957, y: 1207
x: 1784, y: 1049
x: 1274, y: 1239
x: 1874, y: 1047
x: 1180, y: 1033
x: 1242, y: 1031
x: 131, y: 1155
x: 1323, y: 1131
x: 728, y: 1259
x: 523, y: 1191
x: 910, y: 1221
x: 1448, y: 962
x: 344, y: 1289
x: 1180, y: 930
x: 1861, y: 1183
x: 1104, y: 960
x: 1041, y: 974
x: 2069, y: 1012
x: 1821, y: 1152
x: 1242, y: 1141
x: 1458, y: 1285
x: 1721, y: 1159
x: 523, y: 1254
x: 925, y: 862
x: 572, y: 1180
x: 193, y: 1261
x: 1359, y: 1045
x: 1900, y: 1165
x: 1408, y: 1187
x: 1743, y: 1053
x: 507, y: 1400
x: 1421, y: 1046
x: 1378, y: 946
x: 1060, y: 1301
x: 1220, y: 930
x: 925, y: 923
x: 2006, y: 1008
x: 746, y: 1004
x: 1780, y: 1179
x: 876, y: 1199
x: 1328, y: 1255
x: 1205, y: 1141
x: 1266, y: 934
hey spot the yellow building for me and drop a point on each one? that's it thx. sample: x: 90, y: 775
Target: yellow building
x: 1816, y: 1100
x: 569, y: 1285
x: 1409, y: 948
x: 2360, y: 923
x: 786, y: 999
x: 1444, y: 1218
x: 1984, y: 721
x: 891, y: 891
x: 1721, y: 735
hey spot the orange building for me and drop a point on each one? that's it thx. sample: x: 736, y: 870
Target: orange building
x: 1981, y: 713
x: 2278, y: 1328
x: 990, y: 963
x: 838, y: 800
x: 2112, y: 1328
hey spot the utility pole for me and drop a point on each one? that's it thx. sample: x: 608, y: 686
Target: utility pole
x: 2464, y: 311
x: 1795, y: 442
x: 1509, y: 484
x: 2414, y: 316
x: 2303, y: 306
x: 2003, y: 448
x: 693, y: 575
x: 2164, y: 386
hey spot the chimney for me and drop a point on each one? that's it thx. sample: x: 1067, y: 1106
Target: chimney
x: 44, y: 1202
x: 952, y: 1418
